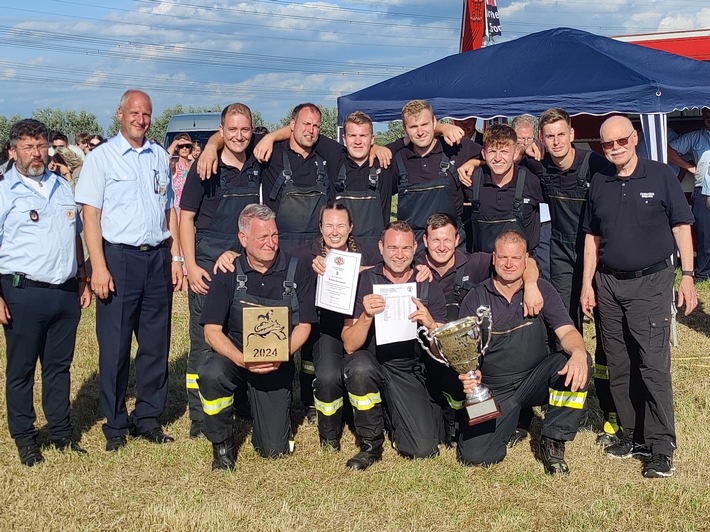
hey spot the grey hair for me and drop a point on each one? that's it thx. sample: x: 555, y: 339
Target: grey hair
x: 128, y: 94
x: 254, y: 211
x: 523, y: 121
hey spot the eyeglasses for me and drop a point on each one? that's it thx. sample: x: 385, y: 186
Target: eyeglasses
x: 525, y: 140
x: 608, y: 145
x: 184, y: 146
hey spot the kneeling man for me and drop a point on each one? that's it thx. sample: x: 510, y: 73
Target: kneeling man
x: 518, y: 367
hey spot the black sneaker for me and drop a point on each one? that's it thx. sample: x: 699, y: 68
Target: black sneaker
x: 659, y: 466
x: 627, y: 449
x: 552, y: 454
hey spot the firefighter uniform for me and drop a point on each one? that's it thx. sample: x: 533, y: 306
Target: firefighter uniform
x: 217, y: 203
x: 288, y: 283
x: 497, y: 208
x: 634, y: 288
x: 392, y: 374
x: 520, y: 372
x: 429, y: 184
x: 296, y: 188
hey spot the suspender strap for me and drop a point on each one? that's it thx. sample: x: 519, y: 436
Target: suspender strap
x: 289, y: 294
x: 476, y: 199
x: 342, y: 177
x: 241, y: 279
x: 374, y: 176
x: 519, y: 186
x: 283, y: 177
x: 424, y: 293
x: 444, y: 166
x: 403, y: 175
x: 320, y: 169
x: 583, y: 171
x: 458, y: 282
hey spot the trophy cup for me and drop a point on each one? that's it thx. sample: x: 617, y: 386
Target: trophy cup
x: 460, y: 344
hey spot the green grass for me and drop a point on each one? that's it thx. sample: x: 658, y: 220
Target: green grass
x: 171, y: 487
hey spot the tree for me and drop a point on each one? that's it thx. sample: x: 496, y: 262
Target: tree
x: 5, y: 125
x: 68, y: 122
x: 395, y: 131
x: 329, y: 121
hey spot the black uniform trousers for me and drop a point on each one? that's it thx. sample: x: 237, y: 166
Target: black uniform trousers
x: 566, y: 264
x: 400, y: 382
x: 486, y: 443
x: 329, y: 386
x: 142, y: 305
x: 43, y: 326
x: 307, y: 370
x: 199, y: 349
x: 220, y: 380
x: 635, y: 318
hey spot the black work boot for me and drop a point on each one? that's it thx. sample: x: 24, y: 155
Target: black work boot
x: 552, y: 454
x: 370, y: 452
x: 225, y: 455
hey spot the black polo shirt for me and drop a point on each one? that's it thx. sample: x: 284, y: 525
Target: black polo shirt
x: 477, y: 268
x: 506, y: 314
x: 202, y: 196
x: 422, y: 169
x: 497, y: 200
x: 436, y: 303
x: 268, y: 285
x: 634, y: 215
x: 566, y: 180
x: 305, y: 171
x: 358, y: 179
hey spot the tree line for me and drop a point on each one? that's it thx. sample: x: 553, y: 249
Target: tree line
x: 71, y: 122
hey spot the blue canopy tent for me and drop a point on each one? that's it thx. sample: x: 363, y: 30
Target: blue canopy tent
x: 578, y: 71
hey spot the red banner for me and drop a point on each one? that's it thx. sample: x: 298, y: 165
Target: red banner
x: 472, y: 25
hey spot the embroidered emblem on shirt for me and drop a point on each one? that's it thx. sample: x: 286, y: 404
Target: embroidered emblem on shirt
x: 647, y: 195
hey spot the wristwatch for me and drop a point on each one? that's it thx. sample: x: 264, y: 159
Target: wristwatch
x: 689, y: 273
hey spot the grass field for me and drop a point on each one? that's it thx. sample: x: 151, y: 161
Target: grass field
x: 171, y: 487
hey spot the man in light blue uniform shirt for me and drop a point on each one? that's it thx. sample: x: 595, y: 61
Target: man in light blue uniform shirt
x: 131, y: 232
x: 697, y: 142
x: 41, y: 295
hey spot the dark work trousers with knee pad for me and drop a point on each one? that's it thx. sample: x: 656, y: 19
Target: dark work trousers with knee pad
x: 399, y: 384
x: 220, y: 380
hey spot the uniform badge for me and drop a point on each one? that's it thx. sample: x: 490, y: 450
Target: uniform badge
x: 70, y: 215
x: 34, y: 215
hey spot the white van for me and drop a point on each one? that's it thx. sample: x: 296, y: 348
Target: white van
x: 200, y: 126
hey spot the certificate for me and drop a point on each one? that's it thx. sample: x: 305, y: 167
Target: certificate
x: 393, y: 325
x: 337, y: 287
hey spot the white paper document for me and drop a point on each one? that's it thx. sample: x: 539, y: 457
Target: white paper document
x: 336, y: 288
x: 393, y: 325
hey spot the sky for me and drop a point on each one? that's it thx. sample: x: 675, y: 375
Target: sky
x: 268, y: 54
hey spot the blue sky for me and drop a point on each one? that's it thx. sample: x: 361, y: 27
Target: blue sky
x: 269, y: 54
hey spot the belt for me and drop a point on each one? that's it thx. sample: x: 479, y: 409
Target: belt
x: 143, y: 247
x: 20, y: 280
x: 620, y: 274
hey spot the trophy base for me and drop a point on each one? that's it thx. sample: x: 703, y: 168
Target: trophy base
x: 483, y: 411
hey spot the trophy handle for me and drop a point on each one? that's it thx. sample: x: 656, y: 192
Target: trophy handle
x: 423, y: 331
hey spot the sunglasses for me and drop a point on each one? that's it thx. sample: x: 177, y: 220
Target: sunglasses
x: 608, y: 145
x: 184, y: 146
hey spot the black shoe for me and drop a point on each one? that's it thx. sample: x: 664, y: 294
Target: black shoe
x: 552, y: 454
x: 370, y: 452
x: 658, y: 466
x: 156, y: 435
x: 627, y: 449
x: 311, y: 415
x: 64, y: 444
x: 114, y: 443
x: 224, y: 455
x: 517, y: 436
x: 333, y: 445
x: 30, y: 455
x: 196, y: 429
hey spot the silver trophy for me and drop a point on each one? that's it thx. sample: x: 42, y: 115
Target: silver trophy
x: 460, y: 344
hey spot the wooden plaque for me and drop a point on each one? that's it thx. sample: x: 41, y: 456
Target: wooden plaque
x: 266, y: 331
